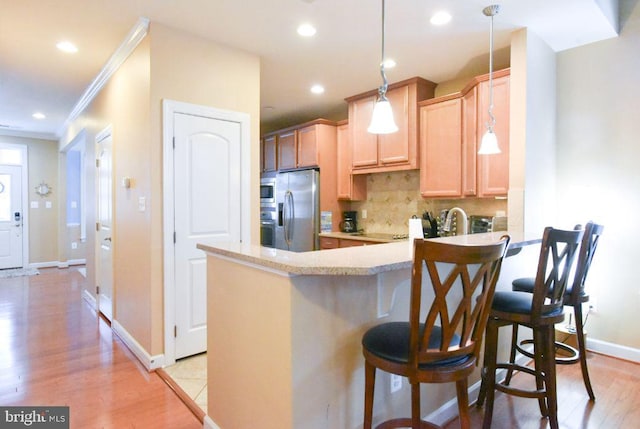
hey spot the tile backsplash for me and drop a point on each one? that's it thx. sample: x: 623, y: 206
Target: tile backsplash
x: 392, y: 198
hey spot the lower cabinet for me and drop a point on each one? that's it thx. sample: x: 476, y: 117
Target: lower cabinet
x: 334, y: 243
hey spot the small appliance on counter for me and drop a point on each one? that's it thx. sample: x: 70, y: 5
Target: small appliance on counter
x: 349, y: 222
x: 479, y: 224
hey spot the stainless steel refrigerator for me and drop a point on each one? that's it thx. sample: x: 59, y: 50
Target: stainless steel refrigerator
x: 298, y: 205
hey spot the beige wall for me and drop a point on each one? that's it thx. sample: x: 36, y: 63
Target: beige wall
x: 189, y: 69
x: 173, y: 65
x: 43, y: 222
x: 598, y: 174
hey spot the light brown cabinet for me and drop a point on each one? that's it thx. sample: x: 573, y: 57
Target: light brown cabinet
x: 268, y: 154
x: 334, y: 243
x: 388, y: 152
x: 350, y: 186
x: 287, y: 149
x: 493, y: 170
x: 450, y: 133
x: 441, y: 149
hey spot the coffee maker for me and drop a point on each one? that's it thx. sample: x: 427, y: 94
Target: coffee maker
x: 349, y: 222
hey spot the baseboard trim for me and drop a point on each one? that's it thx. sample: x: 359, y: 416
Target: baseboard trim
x: 58, y: 264
x: 91, y: 300
x: 209, y: 424
x: 151, y: 363
x: 613, y: 350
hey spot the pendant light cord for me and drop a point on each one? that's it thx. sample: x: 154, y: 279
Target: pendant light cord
x: 382, y: 91
x: 492, y: 119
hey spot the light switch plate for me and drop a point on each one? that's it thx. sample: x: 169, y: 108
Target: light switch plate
x: 35, y: 204
x: 48, y: 204
x: 142, y: 204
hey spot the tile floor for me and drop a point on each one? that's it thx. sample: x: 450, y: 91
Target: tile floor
x: 191, y: 375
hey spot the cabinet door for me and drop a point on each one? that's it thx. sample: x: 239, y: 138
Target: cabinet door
x: 269, y: 154
x: 441, y: 149
x: 287, y: 150
x: 352, y: 243
x: 364, y: 144
x: 469, y: 142
x: 307, y: 147
x: 350, y: 187
x: 329, y: 243
x: 493, y: 170
x: 394, y: 148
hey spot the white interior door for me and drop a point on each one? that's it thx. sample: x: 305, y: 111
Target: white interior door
x: 10, y: 216
x: 104, y: 253
x: 207, y: 201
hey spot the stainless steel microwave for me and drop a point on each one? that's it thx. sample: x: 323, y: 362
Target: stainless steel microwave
x: 267, y: 191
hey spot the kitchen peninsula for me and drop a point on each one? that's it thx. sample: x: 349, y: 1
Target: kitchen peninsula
x: 284, y: 332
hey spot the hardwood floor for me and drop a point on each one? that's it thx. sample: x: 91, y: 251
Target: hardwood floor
x: 617, y: 388
x: 54, y: 350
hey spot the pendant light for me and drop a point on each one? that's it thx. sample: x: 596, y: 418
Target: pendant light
x: 489, y: 143
x: 382, y: 121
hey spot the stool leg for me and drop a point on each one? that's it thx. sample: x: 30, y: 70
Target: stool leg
x: 369, y: 385
x: 582, y: 349
x: 463, y: 403
x: 512, y: 356
x: 416, y: 421
x: 489, y: 378
x: 548, y: 333
x: 539, y: 353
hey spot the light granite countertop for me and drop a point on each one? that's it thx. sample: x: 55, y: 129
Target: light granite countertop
x: 354, y: 261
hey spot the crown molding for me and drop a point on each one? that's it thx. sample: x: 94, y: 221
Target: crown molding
x: 133, y: 39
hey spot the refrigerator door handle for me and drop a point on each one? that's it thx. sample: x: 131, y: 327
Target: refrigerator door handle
x: 288, y: 216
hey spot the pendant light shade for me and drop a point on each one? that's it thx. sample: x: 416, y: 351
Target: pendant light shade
x: 382, y: 121
x: 489, y: 143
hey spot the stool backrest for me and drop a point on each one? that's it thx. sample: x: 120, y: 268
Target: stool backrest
x: 469, y: 273
x: 557, y: 255
x: 592, y: 233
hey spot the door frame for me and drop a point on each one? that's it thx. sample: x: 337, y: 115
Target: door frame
x: 169, y: 109
x: 26, y: 208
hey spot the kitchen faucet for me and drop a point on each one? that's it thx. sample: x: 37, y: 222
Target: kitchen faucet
x: 462, y: 219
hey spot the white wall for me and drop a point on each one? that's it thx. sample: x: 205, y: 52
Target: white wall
x: 598, y: 154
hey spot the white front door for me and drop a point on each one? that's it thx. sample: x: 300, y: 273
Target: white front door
x: 10, y: 216
x: 207, y: 201
x: 104, y: 210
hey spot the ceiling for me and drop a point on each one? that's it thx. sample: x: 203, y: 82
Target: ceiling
x: 343, y: 56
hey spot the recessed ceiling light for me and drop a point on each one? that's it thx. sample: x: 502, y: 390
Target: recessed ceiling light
x: 317, y: 89
x: 389, y: 63
x: 440, y: 18
x: 66, y: 46
x: 38, y: 115
x: 306, y: 30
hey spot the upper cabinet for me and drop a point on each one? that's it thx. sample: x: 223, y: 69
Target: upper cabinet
x: 350, y: 187
x: 441, y: 149
x: 493, y: 170
x: 387, y: 152
x: 302, y: 146
x: 268, y: 155
x: 451, y: 129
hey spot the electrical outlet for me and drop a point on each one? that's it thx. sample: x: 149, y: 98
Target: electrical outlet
x: 74, y: 245
x: 364, y: 214
x: 396, y: 383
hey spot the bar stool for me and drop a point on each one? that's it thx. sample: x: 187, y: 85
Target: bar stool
x: 540, y: 311
x: 574, y: 296
x: 444, y: 346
